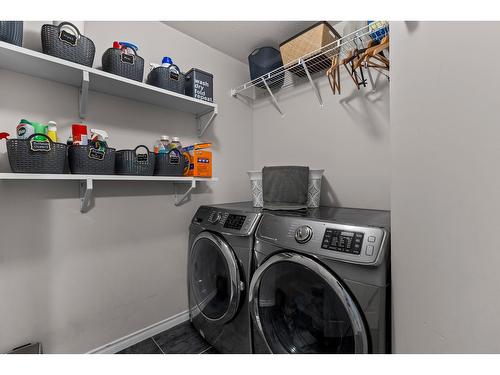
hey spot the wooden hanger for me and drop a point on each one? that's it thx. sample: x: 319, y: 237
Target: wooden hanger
x: 375, y: 53
x: 333, y: 74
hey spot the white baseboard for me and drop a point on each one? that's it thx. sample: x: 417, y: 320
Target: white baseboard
x: 142, y: 334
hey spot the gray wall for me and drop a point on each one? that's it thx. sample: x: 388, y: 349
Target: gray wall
x: 73, y: 281
x: 349, y: 137
x: 445, y: 187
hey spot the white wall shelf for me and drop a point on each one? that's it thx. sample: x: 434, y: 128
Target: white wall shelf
x: 87, y: 183
x: 26, y: 61
x: 307, y: 67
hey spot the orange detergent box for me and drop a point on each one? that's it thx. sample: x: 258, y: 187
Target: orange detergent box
x: 200, y: 160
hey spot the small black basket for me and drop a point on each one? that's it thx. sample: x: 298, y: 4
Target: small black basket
x: 91, y: 159
x: 172, y: 163
x: 130, y: 162
x: 33, y: 156
x: 12, y: 32
x: 123, y: 64
x: 167, y: 78
x: 74, y: 47
x: 265, y: 60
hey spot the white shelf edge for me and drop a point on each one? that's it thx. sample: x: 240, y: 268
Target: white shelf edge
x: 22, y: 51
x: 87, y: 183
x: 78, y: 177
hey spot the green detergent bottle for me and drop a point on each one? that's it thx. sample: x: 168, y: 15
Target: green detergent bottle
x: 39, y: 129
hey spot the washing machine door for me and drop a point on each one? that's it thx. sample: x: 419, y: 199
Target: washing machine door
x: 299, y: 306
x: 214, y: 278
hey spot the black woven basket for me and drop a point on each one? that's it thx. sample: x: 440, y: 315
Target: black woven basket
x: 167, y: 78
x: 12, y: 32
x: 123, y: 64
x: 32, y: 156
x: 130, y: 162
x: 71, y: 46
x: 265, y: 60
x: 91, y: 159
x: 171, y: 163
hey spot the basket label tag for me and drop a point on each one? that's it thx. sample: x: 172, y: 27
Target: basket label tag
x: 128, y: 59
x: 142, y: 158
x: 174, y: 74
x: 40, y: 146
x: 68, y: 38
x: 95, y: 153
x: 174, y: 158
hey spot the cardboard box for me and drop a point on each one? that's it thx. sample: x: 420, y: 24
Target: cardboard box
x: 200, y: 160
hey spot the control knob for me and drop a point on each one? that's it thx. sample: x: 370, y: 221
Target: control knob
x: 303, y: 234
x: 215, y: 218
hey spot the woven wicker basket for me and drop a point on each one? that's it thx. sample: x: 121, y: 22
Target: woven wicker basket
x: 91, y: 159
x: 12, y: 32
x: 167, y: 78
x: 312, y: 39
x: 68, y: 45
x: 172, y: 163
x: 32, y: 156
x: 126, y: 65
x: 131, y: 162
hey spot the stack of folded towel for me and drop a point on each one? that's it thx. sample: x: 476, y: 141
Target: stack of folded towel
x: 285, y: 187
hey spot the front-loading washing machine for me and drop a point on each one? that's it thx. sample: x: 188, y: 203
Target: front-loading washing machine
x: 221, y: 239
x: 322, y: 282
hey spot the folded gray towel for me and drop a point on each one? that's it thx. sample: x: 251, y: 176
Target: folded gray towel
x: 285, y: 187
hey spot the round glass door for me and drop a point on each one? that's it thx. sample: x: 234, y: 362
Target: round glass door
x: 300, y: 307
x: 214, y: 277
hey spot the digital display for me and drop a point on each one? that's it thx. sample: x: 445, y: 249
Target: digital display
x: 342, y: 241
x: 234, y: 221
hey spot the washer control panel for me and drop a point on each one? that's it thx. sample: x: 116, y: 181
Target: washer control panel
x: 234, y: 221
x: 225, y: 221
x: 342, y: 240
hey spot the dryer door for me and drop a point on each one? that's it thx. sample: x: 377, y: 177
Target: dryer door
x: 299, y: 306
x: 214, y: 278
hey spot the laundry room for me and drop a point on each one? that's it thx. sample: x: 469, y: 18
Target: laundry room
x: 303, y: 184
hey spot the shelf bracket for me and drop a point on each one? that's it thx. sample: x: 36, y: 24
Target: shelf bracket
x: 84, y: 93
x: 314, y: 87
x: 275, y: 102
x: 202, y: 128
x: 186, y: 196
x: 86, y: 190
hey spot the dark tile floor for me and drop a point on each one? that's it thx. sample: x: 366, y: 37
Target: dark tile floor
x: 181, y: 339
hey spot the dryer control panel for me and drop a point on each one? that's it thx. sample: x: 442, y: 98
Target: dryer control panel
x: 351, y: 243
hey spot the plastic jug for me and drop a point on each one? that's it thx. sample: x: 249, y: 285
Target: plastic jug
x: 176, y: 143
x: 162, y: 145
x: 165, y: 62
x: 39, y: 129
x: 24, y: 130
x: 52, y: 131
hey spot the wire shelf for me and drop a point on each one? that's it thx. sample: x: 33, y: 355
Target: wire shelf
x: 312, y: 64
